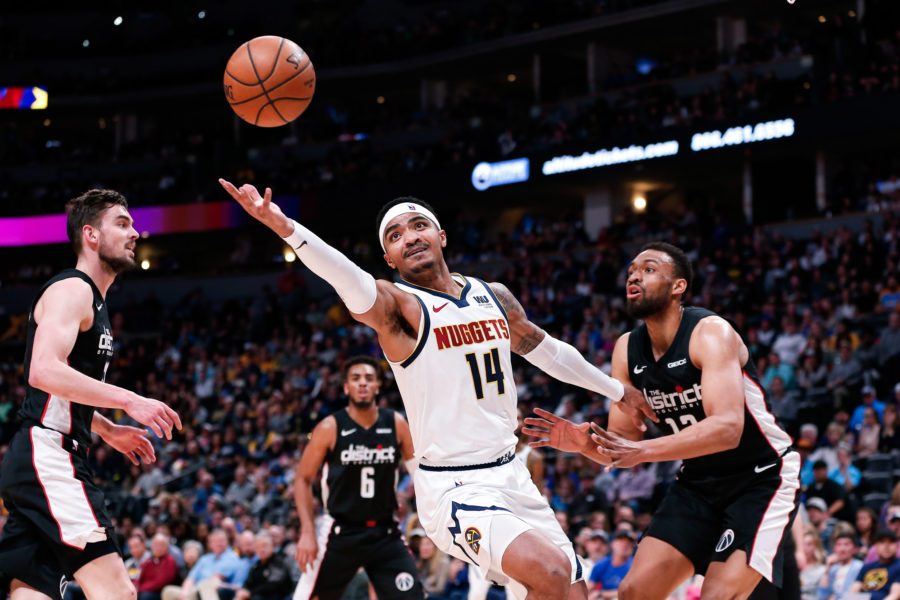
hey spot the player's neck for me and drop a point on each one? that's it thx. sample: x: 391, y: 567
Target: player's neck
x: 99, y: 274
x: 437, y: 278
x: 662, y: 328
x: 365, y: 417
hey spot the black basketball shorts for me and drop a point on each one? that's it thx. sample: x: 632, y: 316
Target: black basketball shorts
x: 57, y: 520
x: 750, y: 510
x: 380, y: 550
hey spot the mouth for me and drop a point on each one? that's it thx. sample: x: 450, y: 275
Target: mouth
x: 415, y: 250
x: 632, y: 292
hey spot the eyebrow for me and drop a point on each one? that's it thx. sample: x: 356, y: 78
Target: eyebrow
x: 126, y: 217
x: 390, y: 228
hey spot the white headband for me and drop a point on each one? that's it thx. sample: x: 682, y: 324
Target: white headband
x: 399, y: 209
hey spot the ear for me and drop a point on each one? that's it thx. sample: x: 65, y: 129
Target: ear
x: 90, y: 235
x: 443, y: 236
x: 679, y: 286
x: 346, y: 389
x: 388, y: 260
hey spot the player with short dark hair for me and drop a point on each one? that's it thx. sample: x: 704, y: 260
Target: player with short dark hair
x: 361, y: 447
x: 448, y: 339
x: 737, y: 492
x: 58, y: 527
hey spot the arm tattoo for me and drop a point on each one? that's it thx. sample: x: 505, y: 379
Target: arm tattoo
x: 528, y: 340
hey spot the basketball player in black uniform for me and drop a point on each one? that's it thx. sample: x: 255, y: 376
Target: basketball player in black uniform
x: 361, y: 447
x: 736, y: 493
x: 58, y: 527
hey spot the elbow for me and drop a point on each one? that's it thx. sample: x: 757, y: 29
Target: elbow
x: 731, y: 435
x: 36, y: 375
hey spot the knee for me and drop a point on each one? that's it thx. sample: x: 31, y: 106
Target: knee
x: 716, y: 590
x: 554, y: 579
x: 628, y: 590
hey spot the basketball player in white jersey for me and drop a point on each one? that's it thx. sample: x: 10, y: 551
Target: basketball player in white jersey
x: 448, y: 339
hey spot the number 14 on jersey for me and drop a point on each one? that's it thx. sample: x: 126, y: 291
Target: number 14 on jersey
x: 493, y: 373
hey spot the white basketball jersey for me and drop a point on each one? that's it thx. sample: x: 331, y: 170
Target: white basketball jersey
x: 457, y: 385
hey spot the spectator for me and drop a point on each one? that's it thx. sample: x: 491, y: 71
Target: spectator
x: 841, y: 569
x: 789, y: 343
x: 888, y: 346
x: 866, y: 527
x: 881, y: 578
x: 784, y: 405
x: 157, y: 571
x: 220, y: 566
x: 889, y: 439
x: 867, y: 394
x: 814, y: 564
x: 635, y: 486
x: 893, y: 521
x: 241, y: 490
x: 845, y: 377
x: 138, y: 554
x: 868, y: 436
x: 608, y: 573
x: 820, y: 520
x: 847, y: 475
x: 828, y: 490
x: 777, y: 368
x: 434, y: 568
x: 270, y: 576
x: 827, y: 451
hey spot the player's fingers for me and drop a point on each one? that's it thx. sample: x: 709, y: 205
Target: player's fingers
x: 547, y: 415
x: 173, y: 417
x: 539, y: 443
x: 645, y: 408
x: 134, y: 459
x: 154, y: 427
x: 537, y: 422
x: 268, y: 197
x: 637, y: 417
x: 229, y: 187
x: 535, y: 431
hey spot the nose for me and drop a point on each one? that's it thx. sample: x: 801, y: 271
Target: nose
x: 133, y: 234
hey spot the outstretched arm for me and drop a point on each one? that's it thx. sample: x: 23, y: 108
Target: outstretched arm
x: 564, y: 362
x: 393, y: 314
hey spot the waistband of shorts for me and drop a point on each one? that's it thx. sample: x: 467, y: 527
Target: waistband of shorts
x: 506, y: 458
x: 69, y: 443
x: 370, y: 524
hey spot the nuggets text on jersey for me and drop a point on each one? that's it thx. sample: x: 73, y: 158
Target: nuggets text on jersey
x: 475, y: 332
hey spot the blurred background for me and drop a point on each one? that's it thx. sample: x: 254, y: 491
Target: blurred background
x: 553, y: 138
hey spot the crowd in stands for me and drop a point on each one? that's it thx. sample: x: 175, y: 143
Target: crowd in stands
x: 251, y: 379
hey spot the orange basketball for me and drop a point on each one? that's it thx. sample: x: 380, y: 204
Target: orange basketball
x: 269, y: 81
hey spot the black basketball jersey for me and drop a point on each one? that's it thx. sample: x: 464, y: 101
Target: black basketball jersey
x: 91, y: 355
x: 673, y: 389
x: 360, y: 477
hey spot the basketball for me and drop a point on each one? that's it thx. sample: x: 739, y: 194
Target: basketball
x: 269, y: 81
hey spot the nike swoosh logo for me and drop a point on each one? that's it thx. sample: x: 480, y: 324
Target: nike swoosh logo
x: 638, y: 370
x: 345, y: 432
x: 438, y: 308
x: 301, y: 245
x: 759, y: 469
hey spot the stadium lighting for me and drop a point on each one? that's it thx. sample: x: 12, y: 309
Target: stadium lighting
x: 511, y: 77
x: 118, y: 21
x: 145, y: 264
x: 639, y: 203
x: 201, y: 14
x: 85, y: 43
x: 289, y: 255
